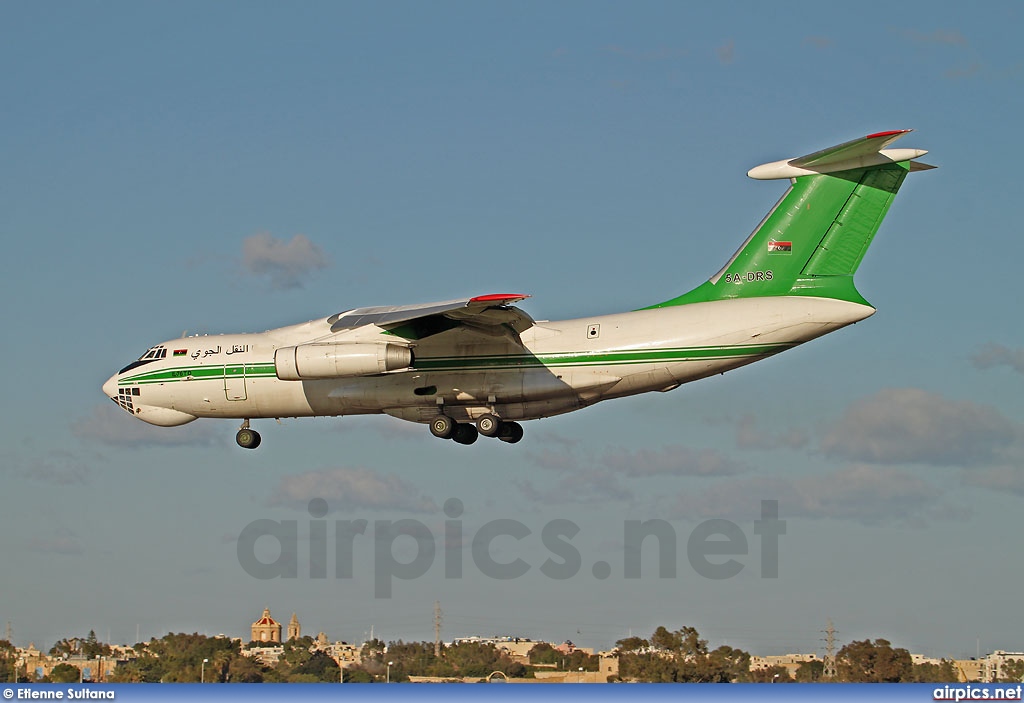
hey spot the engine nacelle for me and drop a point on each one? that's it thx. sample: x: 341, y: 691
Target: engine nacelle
x: 313, y: 361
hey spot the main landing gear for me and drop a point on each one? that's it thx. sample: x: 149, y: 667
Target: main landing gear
x: 247, y: 438
x: 488, y: 425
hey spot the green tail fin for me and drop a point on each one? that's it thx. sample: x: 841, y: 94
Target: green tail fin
x: 815, y: 237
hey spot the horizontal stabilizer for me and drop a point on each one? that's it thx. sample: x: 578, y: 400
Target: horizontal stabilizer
x: 860, y: 153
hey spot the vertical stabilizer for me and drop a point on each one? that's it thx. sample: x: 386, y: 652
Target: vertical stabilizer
x: 815, y: 237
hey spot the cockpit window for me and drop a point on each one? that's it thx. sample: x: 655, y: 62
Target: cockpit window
x: 135, y: 365
x: 152, y: 354
x: 157, y: 352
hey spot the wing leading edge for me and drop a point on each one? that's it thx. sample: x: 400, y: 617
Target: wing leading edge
x: 492, y: 315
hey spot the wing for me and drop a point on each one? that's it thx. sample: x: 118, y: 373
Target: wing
x: 492, y: 315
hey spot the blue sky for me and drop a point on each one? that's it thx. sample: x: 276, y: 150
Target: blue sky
x: 241, y: 166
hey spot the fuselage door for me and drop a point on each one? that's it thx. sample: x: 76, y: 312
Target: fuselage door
x: 234, y: 381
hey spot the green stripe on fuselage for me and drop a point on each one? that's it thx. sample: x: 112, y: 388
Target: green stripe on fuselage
x: 603, y: 358
x: 199, y: 373
x: 485, y: 362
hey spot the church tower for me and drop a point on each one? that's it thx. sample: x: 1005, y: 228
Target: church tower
x: 294, y: 628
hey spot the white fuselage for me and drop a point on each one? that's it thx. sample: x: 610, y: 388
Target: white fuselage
x: 559, y: 366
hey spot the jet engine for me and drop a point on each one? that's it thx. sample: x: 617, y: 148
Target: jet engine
x: 315, y: 361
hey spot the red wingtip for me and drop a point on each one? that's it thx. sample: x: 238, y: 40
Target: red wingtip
x: 498, y: 298
x: 890, y: 133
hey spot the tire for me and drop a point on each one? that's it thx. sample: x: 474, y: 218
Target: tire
x: 511, y: 432
x: 465, y: 434
x: 488, y: 425
x: 248, y: 439
x: 442, y: 427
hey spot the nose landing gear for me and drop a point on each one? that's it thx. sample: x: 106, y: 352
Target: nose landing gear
x: 247, y: 438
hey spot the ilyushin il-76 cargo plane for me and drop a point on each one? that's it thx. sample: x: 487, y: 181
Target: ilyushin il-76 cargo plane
x: 480, y: 365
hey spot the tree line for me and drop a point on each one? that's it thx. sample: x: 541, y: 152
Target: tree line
x: 683, y: 656
x: 179, y: 657
x: 680, y: 655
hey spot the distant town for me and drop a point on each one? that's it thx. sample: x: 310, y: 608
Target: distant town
x: 282, y: 653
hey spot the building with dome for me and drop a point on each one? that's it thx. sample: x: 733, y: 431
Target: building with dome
x: 267, y: 629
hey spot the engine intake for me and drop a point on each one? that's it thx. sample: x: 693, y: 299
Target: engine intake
x: 315, y: 361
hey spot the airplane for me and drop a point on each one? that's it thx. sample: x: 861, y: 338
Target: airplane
x: 480, y: 365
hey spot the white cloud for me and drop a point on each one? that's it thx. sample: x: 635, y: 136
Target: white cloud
x: 529, y: 491
x: 671, y: 460
x: 108, y: 424
x: 869, y: 495
x: 568, y: 456
x: 288, y: 264
x: 588, y: 476
x: 818, y: 41
x: 971, y: 69
x: 595, y: 477
x: 944, y: 37
x: 664, y: 53
x: 350, y: 489
x: 387, y: 427
x: 734, y: 499
x: 560, y: 458
x: 582, y: 486
x: 55, y: 467
x: 907, y: 425
x: 727, y: 52
x: 750, y: 436
x: 1002, y: 479
x: 992, y: 355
